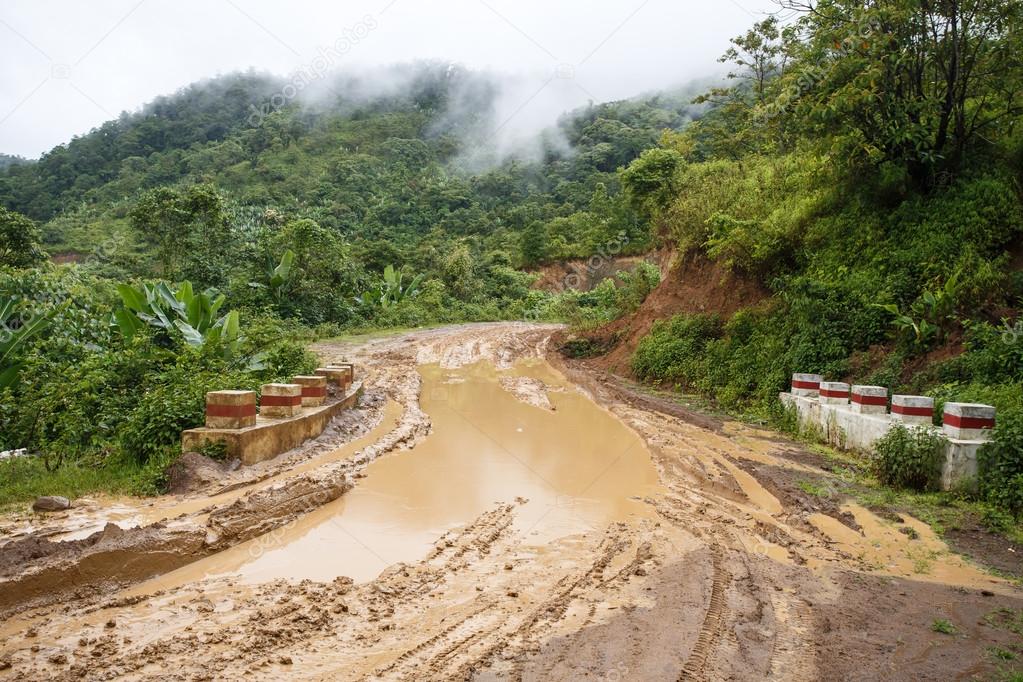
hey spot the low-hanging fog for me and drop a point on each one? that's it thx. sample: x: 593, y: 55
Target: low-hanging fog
x: 66, y: 67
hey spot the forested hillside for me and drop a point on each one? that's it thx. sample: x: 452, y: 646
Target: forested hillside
x: 864, y: 170
x: 861, y: 172
x: 382, y: 201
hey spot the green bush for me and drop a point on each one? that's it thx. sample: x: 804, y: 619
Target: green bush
x: 1000, y: 464
x: 177, y: 401
x: 674, y: 350
x: 908, y: 458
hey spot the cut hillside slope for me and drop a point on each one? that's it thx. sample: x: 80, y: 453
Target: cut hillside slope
x: 693, y: 284
x: 584, y: 274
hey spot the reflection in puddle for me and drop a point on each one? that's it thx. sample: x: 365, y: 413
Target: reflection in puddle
x: 577, y: 466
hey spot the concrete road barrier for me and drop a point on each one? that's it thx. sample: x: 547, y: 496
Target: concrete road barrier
x: 858, y: 423
x: 314, y: 389
x: 913, y: 409
x: 230, y: 409
x: 280, y: 400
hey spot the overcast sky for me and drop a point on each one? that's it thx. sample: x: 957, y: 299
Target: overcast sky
x: 67, y: 66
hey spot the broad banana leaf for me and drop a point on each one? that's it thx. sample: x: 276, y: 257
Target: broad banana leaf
x: 192, y: 336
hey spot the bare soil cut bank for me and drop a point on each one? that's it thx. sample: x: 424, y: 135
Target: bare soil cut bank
x: 721, y: 573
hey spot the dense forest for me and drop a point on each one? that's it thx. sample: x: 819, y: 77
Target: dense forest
x: 862, y: 167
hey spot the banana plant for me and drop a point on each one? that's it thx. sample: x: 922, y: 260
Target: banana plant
x: 13, y: 339
x: 192, y: 314
x: 929, y: 317
x: 278, y: 277
x: 391, y: 290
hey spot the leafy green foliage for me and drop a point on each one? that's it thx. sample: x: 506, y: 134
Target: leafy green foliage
x: 19, y: 241
x: 908, y: 457
x: 15, y: 333
x: 391, y: 290
x: 1000, y: 464
x: 182, y: 311
x: 188, y: 229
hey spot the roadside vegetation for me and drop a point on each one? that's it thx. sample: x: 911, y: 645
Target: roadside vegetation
x: 878, y: 201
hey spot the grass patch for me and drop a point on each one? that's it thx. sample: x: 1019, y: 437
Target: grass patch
x: 815, y: 488
x: 1006, y: 619
x: 999, y: 654
x: 943, y: 626
x: 23, y: 479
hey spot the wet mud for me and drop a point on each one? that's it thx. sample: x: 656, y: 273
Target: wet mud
x: 499, y: 517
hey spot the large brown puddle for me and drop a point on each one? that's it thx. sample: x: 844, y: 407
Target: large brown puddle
x: 571, y: 468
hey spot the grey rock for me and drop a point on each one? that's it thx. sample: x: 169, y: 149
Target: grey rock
x: 51, y: 503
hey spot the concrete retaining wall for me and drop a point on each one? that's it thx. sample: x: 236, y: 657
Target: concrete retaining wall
x: 270, y: 437
x: 845, y: 427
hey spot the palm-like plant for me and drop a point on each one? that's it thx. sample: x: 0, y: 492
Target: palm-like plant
x: 193, y: 314
x: 13, y: 339
x: 278, y: 277
x: 391, y: 290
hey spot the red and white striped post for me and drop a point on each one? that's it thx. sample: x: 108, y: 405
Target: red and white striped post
x: 834, y: 393
x: 334, y: 375
x: 280, y: 400
x: 968, y: 421
x: 314, y: 389
x: 348, y: 366
x: 230, y: 409
x: 913, y: 409
x: 870, y: 399
x: 806, y: 385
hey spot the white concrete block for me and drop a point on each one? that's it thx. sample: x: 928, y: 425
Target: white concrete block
x: 913, y: 409
x: 968, y: 421
x: 834, y: 393
x: 959, y: 468
x: 870, y: 399
x: 806, y: 385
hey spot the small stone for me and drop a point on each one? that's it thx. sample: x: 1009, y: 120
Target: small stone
x: 51, y: 503
x: 284, y: 660
x: 513, y: 593
x: 58, y: 659
x: 5, y: 663
x: 111, y: 623
x: 987, y: 593
x: 31, y: 632
x: 507, y: 567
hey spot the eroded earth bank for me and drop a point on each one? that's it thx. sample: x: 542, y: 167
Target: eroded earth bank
x: 491, y: 512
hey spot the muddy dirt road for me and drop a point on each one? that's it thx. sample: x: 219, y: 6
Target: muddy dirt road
x: 490, y: 512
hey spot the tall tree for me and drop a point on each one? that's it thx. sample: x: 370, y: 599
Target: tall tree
x: 19, y: 241
x: 910, y: 82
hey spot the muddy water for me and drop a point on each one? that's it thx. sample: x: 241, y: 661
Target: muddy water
x: 571, y: 468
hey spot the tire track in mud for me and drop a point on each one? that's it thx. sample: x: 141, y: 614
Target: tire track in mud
x: 474, y: 642
x: 713, y: 619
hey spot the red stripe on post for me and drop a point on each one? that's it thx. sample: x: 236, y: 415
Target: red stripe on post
x: 805, y: 384
x: 827, y: 393
x: 281, y: 400
x: 235, y: 411
x: 968, y: 422
x: 314, y: 392
x: 913, y: 411
x: 869, y: 399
